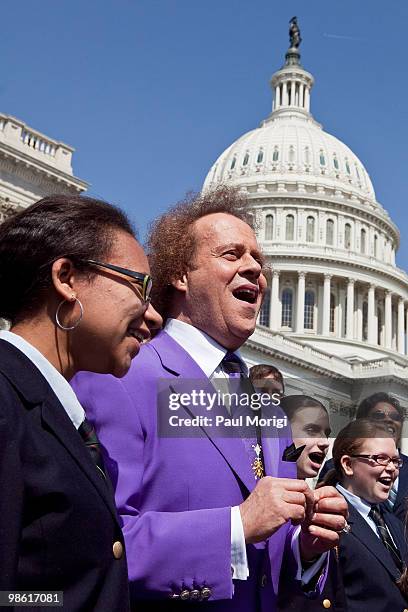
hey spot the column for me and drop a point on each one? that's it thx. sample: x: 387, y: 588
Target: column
x: 326, y: 305
x: 307, y: 99
x: 274, y: 311
x: 371, y: 322
x: 277, y: 97
x: 388, y: 319
x: 341, y: 313
x: 400, y: 326
x: 300, y: 304
x: 350, y: 310
x: 285, y: 93
x: 358, y: 317
x: 301, y: 95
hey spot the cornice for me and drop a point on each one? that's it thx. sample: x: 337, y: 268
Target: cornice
x: 39, y: 167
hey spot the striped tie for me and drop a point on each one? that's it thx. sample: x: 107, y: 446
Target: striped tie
x: 88, y: 435
x: 376, y: 515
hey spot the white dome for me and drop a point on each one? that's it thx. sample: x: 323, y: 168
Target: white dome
x: 291, y: 147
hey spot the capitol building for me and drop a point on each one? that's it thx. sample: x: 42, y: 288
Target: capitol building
x: 335, y: 318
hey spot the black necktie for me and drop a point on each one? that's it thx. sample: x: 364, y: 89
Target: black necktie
x: 232, y: 365
x: 376, y: 515
x: 88, y: 434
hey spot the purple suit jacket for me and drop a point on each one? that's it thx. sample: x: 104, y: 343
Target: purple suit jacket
x: 174, y: 495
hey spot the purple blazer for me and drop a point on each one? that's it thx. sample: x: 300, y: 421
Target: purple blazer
x: 174, y: 495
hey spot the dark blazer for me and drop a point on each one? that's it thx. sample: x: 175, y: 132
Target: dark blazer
x: 58, y: 521
x: 400, y: 506
x: 291, y: 597
x: 368, y: 571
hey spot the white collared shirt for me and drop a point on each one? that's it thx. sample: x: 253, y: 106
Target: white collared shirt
x: 363, y: 508
x: 205, y: 351
x: 57, y: 382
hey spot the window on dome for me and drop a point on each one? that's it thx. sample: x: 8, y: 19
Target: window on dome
x: 269, y: 227
x: 307, y: 155
x: 309, y: 310
x: 375, y: 245
x: 347, y: 236
x: 259, y: 159
x: 363, y: 240
x: 291, y: 153
x: 246, y: 159
x: 265, y: 309
x: 358, y: 174
x: 290, y: 227
x: 275, y: 155
x: 365, y: 320
x: 332, y: 311
x: 330, y: 232
x: 348, y: 167
x: 310, y: 229
x: 234, y: 161
x: 322, y: 159
x: 287, y: 307
x: 335, y: 162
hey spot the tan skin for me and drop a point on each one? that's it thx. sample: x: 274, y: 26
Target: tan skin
x: 310, y: 428
x: 389, y: 412
x: 228, y: 260
x: 364, y: 477
x: 113, y: 311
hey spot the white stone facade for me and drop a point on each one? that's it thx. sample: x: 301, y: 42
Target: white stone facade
x: 335, y: 319
x: 32, y: 166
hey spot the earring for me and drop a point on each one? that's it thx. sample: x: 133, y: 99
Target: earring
x: 77, y: 322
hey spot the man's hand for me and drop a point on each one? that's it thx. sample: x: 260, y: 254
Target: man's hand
x: 274, y: 502
x: 321, y: 531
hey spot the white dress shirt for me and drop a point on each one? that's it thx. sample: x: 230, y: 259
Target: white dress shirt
x: 208, y: 355
x: 363, y: 508
x: 57, y: 382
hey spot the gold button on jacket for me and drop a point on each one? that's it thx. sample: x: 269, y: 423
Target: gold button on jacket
x: 117, y: 550
x: 326, y: 603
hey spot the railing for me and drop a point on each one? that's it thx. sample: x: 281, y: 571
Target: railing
x: 38, y: 143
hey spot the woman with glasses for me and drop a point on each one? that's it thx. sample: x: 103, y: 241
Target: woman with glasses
x: 383, y: 408
x: 75, y: 290
x: 373, y: 553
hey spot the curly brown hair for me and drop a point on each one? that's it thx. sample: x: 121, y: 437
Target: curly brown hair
x: 171, y: 242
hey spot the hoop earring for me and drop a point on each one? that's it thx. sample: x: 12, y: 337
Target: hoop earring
x: 77, y: 322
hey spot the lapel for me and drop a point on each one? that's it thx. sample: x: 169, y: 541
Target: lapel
x: 33, y: 387
x: 363, y: 532
x: 55, y: 419
x: 179, y: 363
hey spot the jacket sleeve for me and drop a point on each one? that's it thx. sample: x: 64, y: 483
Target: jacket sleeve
x: 167, y: 551
x: 12, y: 489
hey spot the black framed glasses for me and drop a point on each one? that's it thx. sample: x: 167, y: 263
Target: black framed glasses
x: 144, y: 280
x: 382, y: 459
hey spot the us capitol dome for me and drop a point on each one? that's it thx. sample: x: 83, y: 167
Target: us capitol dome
x: 337, y: 302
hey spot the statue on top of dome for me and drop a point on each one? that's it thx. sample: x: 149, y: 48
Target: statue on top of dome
x: 294, y: 33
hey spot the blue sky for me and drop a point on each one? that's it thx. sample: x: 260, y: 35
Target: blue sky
x: 150, y: 92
